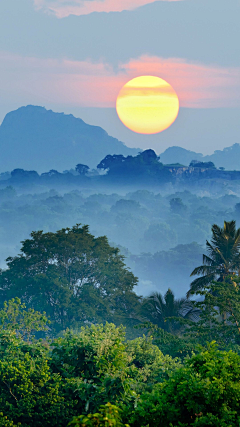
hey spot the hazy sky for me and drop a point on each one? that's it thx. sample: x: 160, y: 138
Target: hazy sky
x: 75, y: 55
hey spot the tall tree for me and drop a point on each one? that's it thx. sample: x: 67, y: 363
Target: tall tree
x: 223, y: 257
x: 72, y: 276
x: 219, y: 315
x: 158, y: 309
x: 82, y: 169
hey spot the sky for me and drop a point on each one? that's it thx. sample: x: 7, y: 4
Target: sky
x: 74, y: 56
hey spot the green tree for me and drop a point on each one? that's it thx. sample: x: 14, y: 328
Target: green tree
x: 158, y: 309
x: 175, y: 346
x: 14, y: 317
x: 148, y: 365
x: 30, y: 395
x: 223, y: 257
x: 95, y: 364
x: 219, y: 317
x: 72, y: 276
x: 108, y: 416
x: 205, y: 392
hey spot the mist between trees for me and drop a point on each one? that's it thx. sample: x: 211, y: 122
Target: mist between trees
x: 157, y: 230
x: 80, y: 348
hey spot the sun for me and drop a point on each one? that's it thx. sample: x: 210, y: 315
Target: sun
x: 147, y: 104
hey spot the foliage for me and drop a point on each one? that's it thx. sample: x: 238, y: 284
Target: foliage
x: 14, y: 317
x: 29, y: 393
x: 177, y: 206
x: 160, y: 309
x: 72, y: 276
x: 95, y: 363
x: 94, y: 372
x: 145, y: 166
x: 203, y: 165
x: 46, y: 383
x: 223, y: 256
x: 205, y: 392
x: 172, y: 345
x: 108, y: 416
x: 82, y: 169
x: 148, y: 365
x: 219, y: 317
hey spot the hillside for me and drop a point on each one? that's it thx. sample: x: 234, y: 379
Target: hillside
x: 229, y: 157
x: 35, y: 138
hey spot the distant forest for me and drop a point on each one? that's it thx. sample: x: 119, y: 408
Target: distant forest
x: 158, y: 226
x: 120, y: 295
x: 144, y: 169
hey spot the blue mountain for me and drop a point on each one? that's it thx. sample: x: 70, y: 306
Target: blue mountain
x: 35, y: 138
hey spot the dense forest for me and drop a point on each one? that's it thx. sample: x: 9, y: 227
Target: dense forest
x: 79, y: 347
x: 131, y: 316
x: 158, y: 228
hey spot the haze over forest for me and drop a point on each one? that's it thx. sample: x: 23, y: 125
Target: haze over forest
x: 159, y: 212
x: 119, y: 213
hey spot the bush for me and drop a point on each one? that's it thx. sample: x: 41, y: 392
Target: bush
x: 206, y: 392
x: 29, y: 393
x: 108, y: 416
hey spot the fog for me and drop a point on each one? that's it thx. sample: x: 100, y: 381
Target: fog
x: 161, y: 230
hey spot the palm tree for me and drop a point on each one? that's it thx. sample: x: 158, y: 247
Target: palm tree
x: 223, y: 257
x: 158, y: 308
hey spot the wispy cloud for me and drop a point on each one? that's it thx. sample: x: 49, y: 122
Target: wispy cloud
x: 63, y: 8
x: 65, y: 82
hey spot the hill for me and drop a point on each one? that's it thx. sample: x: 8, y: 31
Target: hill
x: 35, y: 138
x: 229, y: 157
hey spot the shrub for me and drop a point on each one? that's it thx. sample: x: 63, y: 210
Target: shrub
x: 108, y: 416
x: 206, y: 392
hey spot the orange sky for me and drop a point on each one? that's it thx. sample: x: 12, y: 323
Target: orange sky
x: 98, y: 84
x: 64, y: 8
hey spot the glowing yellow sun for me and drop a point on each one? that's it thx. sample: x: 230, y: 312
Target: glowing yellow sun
x: 147, y: 104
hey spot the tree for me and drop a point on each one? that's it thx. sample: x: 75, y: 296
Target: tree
x: 21, y: 174
x: 111, y: 161
x: 82, y: 169
x: 204, y: 392
x: 177, y: 206
x: 30, y: 394
x: 108, y: 416
x: 72, y: 276
x: 202, y: 165
x: 158, y: 309
x: 14, y: 317
x: 143, y: 167
x: 219, y: 315
x: 223, y: 257
x: 148, y: 365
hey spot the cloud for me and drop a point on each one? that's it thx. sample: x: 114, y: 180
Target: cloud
x: 63, y: 8
x: 87, y: 84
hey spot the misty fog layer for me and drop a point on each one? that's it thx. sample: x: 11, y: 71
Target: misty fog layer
x: 162, y: 233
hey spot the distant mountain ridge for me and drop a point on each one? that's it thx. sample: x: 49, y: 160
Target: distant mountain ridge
x: 229, y: 157
x: 32, y: 137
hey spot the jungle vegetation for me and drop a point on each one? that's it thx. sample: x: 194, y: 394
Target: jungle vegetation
x: 78, y: 346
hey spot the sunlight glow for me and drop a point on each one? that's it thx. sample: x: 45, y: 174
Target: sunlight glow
x: 147, y: 105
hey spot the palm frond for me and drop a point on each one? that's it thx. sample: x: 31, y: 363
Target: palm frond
x: 200, y: 283
x: 207, y: 260
x: 236, y: 245
x: 204, y: 269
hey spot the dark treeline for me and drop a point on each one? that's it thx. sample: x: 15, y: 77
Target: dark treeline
x: 79, y: 344
x: 144, y: 169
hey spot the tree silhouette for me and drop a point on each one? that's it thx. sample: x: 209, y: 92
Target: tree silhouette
x: 158, y: 308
